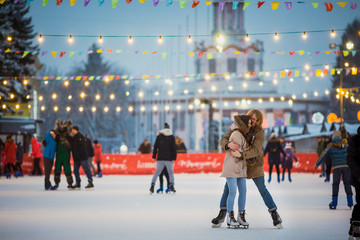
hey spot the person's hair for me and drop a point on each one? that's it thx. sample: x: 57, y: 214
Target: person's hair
x: 245, y: 119
x: 76, y: 128
x: 259, y: 115
x: 95, y: 141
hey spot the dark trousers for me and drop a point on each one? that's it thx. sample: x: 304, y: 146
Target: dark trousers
x: 98, y: 167
x: 18, y: 166
x: 85, y: 166
x: 9, y: 166
x: 356, y: 211
x: 345, y: 173
x: 277, y: 169
x: 161, y: 177
x: 289, y: 170
x: 328, y: 162
x: 37, y: 169
x: 48, y: 164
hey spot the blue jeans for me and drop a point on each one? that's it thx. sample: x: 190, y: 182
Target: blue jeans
x: 260, y: 184
x: 345, y: 172
x: 85, y: 166
x: 233, y: 184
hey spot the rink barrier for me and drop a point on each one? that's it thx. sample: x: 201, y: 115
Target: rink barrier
x: 142, y: 164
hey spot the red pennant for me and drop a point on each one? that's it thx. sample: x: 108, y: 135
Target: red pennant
x: 85, y: 78
x: 58, y: 2
x: 51, y: 78
x: 337, y: 52
x: 195, y: 3
x: 109, y: 50
x: 246, y: 52
x: 260, y: 4
x: 289, y: 73
x: 151, y: 76
x: 329, y: 6
x: 154, y: 52
x: 326, y: 71
x: 17, y: 52
x: 62, y: 54
x: 292, y: 53
x: 118, y: 77
x: 201, y: 54
x: 128, y: 1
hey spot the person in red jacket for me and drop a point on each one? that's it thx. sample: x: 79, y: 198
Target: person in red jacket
x: 36, y: 155
x: 10, y: 156
x: 98, y: 157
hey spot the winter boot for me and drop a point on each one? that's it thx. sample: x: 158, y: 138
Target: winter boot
x: 152, y: 188
x: 276, y: 218
x: 219, y: 219
x: 100, y: 175
x: 349, y: 201
x: 333, y: 204
x: 16, y: 174
x: 327, y: 179
x: 48, y: 188
x: 242, y: 221
x: 322, y: 175
x: 160, y: 190
x: 57, y: 180
x: 8, y: 175
x: 278, y: 178
x: 172, y: 189
x: 90, y: 185
x: 269, y: 180
x: 21, y: 174
x: 231, y: 222
x: 283, y: 177
x: 76, y: 186
x: 70, y: 181
x: 290, y: 178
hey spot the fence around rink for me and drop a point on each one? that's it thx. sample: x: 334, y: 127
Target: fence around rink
x: 142, y: 164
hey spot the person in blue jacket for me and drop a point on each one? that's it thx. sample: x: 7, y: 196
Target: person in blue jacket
x: 337, y: 149
x: 48, y: 156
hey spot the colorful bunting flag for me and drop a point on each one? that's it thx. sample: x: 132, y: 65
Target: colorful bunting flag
x: 274, y: 5
x: 353, y: 5
x: 169, y: 3
x: 327, y: 52
x: 16, y: 1
x: 71, y: 53
x: 28, y: 2
x: 163, y: 55
x: 332, y: 71
x: 54, y: 54
x: 297, y: 73
x: 200, y: 54
x: 301, y: 52
x: 235, y: 5
x: 259, y: 4
x: 315, y: 4
x: 222, y: 5
x: 62, y: 54
x: 342, y: 4
x: 354, y: 71
x: 345, y: 53
x: 114, y: 3
x: 195, y: 3
x: 99, y: 50
x: 209, y: 55
x: 182, y: 4
x: 8, y: 50
x: 282, y: 74
x: 353, y: 52
x: 318, y: 73
x: 246, y: 4
x: 288, y: 5
x: 2, y: 1
x: 329, y: 6
x: 58, y: 2
x: 128, y: 1
x: 291, y: 53
x: 208, y: 3
x: 72, y: 2
x: 86, y: 2
x: 191, y: 54
x: 156, y: 2
x: 45, y: 2
x: 24, y: 54
x: 44, y: 53
x: 101, y: 2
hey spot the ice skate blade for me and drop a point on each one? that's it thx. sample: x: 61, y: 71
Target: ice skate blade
x: 233, y: 227
x: 216, y: 225
x: 90, y: 189
x: 244, y: 227
x: 279, y: 226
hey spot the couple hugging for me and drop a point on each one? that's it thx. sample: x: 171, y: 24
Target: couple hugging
x: 244, y: 159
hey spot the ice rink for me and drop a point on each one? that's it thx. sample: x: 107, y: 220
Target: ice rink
x: 120, y: 207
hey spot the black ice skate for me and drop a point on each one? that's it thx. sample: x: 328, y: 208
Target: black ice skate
x: 219, y: 219
x: 152, y: 188
x: 90, y: 185
x: 231, y: 222
x: 242, y: 221
x: 77, y: 186
x: 276, y: 218
x: 354, y: 232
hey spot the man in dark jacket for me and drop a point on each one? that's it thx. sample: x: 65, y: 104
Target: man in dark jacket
x: 80, y: 157
x: 353, y: 161
x: 274, y: 148
x: 90, y: 151
x: 165, y: 150
x: 145, y: 147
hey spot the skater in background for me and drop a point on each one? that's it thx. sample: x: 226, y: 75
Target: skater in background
x: 98, y: 157
x: 353, y: 161
x: 337, y: 149
x: 90, y: 150
x: 320, y: 149
x: 180, y: 145
x: 50, y: 146
x: 327, y: 161
x: 287, y: 160
x: 19, y: 158
x: 163, y: 173
x: 145, y: 147
x: 10, y: 156
x: 165, y: 154
x: 36, y: 155
x: 80, y: 157
x: 234, y: 170
x: 274, y: 149
x: 255, y: 167
x: 2, y: 146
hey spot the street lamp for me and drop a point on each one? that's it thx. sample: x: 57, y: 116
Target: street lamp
x: 349, y: 46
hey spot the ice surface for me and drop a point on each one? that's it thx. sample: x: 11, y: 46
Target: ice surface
x: 120, y: 207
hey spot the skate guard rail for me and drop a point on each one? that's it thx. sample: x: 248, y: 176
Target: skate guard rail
x: 142, y: 164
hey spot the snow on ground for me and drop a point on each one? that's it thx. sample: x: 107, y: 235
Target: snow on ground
x: 120, y: 207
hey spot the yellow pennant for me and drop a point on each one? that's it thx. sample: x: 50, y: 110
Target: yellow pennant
x: 78, y: 78
x: 208, y: 3
x: 297, y: 73
x: 142, y: 1
x: 72, y: 2
x: 282, y: 74
x: 237, y: 52
x: 145, y: 52
x: 333, y: 71
x: 274, y: 5
x: 99, y: 50
x: 301, y: 52
x: 327, y: 52
x: 8, y: 50
x: 212, y: 74
x: 346, y: 53
x: 342, y: 4
x: 145, y: 76
x: 354, y: 71
x: 318, y: 73
x: 54, y: 54
x: 91, y: 78
x: 58, y: 78
x: 191, y: 54
x: 2, y: 1
x: 280, y: 53
x: 111, y: 77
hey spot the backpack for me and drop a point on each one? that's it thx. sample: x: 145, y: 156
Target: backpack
x: 274, y: 148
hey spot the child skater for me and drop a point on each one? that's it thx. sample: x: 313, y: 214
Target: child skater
x: 287, y: 160
x: 234, y: 170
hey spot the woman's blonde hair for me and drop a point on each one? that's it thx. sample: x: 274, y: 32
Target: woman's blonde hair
x: 259, y: 115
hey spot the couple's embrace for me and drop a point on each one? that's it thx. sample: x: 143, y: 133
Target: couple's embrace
x: 244, y: 159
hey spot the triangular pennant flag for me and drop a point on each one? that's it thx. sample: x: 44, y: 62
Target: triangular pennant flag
x: 58, y: 2
x: 128, y: 1
x: 332, y: 71
x: 195, y: 3
x: 301, y: 52
x: 337, y: 52
x: 169, y: 3
x: 282, y: 74
x: 280, y: 53
x: 62, y: 54
x: 353, y: 5
x: 163, y: 55
x: 200, y: 54
x: 222, y: 5
x: 101, y: 2
x: 315, y: 4
x: 274, y: 5
x: 156, y: 2
x: 182, y: 4
x: 142, y: 1
x: 325, y: 71
x: 155, y: 52
x: 24, y: 54
x: 44, y: 53
x: 191, y: 54
x: 209, y: 55
x: 297, y: 73
x: 45, y: 2
x: 54, y: 54
x: 235, y: 4
x: 109, y: 50
x: 342, y: 4
x: 118, y: 51
x: 16, y: 1
x: 71, y: 53
x: 345, y: 53
x: 292, y: 53
x: 354, y: 71
x: 237, y: 52
x: 8, y: 50
x: 288, y: 5
x: 114, y: 3
x: 99, y: 50
x: 327, y: 52
x: 260, y: 4
x: 318, y: 73
x: 145, y: 52
x: 353, y: 52
x: 347, y: 71
x: 316, y: 53
x: 86, y: 2
x: 72, y: 2
x: 329, y: 6
x: 28, y: 2
x: 289, y: 73
x: 208, y: 3
x: 2, y: 1
x: 246, y: 4
x: 17, y: 52
x: 90, y: 52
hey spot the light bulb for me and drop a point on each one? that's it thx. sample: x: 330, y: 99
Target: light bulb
x: 304, y: 35
x: 333, y: 34
x: 70, y: 39
x: 130, y: 40
x: 160, y: 40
